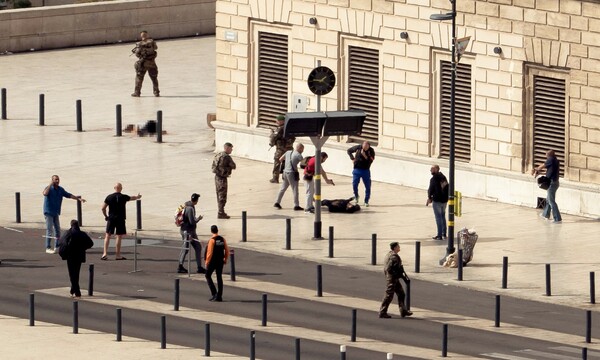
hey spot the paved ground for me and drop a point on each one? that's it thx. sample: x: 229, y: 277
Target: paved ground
x: 90, y: 162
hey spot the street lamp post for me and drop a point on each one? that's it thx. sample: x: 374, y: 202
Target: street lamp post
x: 450, y: 16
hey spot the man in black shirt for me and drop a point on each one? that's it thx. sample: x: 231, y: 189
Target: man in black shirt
x: 362, y: 156
x: 438, y: 195
x: 552, y: 166
x: 115, y: 220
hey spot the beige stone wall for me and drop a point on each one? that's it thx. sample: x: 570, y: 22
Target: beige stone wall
x: 103, y: 23
x: 559, y: 36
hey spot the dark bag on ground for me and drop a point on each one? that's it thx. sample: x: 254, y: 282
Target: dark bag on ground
x: 543, y: 182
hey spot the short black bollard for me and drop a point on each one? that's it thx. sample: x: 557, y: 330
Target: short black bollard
x: 159, y: 126
x: 163, y: 332
x: 138, y: 207
x: 343, y: 352
x: 588, y: 326
x: 353, y: 334
x: 207, y: 339
x: 119, y: 324
x: 330, y: 242
x: 445, y: 340
x: 75, y: 317
x: 297, y: 348
x: 417, y: 257
x: 79, y: 216
x: 373, y: 249
x: 232, y: 264
x: 244, y: 226
x: 79, y: 116
x: 176, y: 299
x: 497, y: 314
x: 319, y: 281
x: 288, y: 234
x: 119, y: 125
x: 460, y: 264
x: 42, y: 113
x: 264, y: 310
x: 252, y: 345
x: 407, y: 295
x: 584, y: 353
x: 504, y: 272
x: 3, y: 100
x: 91, y: 281
x: 592, y: 287
x: 31, y: 309
x: 548, y: 281
x: 18, y: 206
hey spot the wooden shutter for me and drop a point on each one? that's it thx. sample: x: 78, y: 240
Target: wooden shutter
x: 272, y: 77
x: 462, y: 111
x: 548, y: 119
x: 363, y: 90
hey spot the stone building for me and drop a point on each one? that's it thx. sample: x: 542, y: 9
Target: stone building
x: 528, y: 81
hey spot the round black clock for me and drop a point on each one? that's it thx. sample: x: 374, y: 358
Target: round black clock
x: 321, y: 80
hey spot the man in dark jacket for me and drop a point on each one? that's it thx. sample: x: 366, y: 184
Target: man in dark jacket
x: 75, y: 243
x: 362, y: 156
x: 189, y: 236
x: 394, y: 271
x: 438, y: 195
x: 217, y: 253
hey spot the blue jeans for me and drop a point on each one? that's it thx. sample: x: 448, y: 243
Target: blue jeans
x: 52, y: 221
x: 439, y: 210
x: 365, y: 175
x: 551, y: 202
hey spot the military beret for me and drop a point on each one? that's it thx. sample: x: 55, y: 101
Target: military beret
x: 280, y: 117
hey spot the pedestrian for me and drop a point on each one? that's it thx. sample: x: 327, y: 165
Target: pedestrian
x: 291, y: 176
x: 282, y: 144
x: 53, y: 195
x: 362, y: 156
x: 437, y: 194
x: 189, y: 236
x: 217, y: 253
x: 552, y: 169
x: 76, y: 242
x: 145, y: 50
x: 115, y: 220
x: 309, y: 184
x: 394, y: 271
x: 222, y: 166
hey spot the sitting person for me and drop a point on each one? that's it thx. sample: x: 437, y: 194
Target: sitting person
x: 341, y: 205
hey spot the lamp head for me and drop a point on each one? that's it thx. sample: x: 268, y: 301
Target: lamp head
x: 442, y: 17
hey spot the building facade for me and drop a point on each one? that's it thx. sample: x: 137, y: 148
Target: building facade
x: 528, y: 81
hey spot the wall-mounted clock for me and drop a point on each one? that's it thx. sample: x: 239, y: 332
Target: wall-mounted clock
x: 321, y: 80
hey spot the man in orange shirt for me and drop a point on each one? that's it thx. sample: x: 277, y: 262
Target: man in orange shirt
x: 217, y: 253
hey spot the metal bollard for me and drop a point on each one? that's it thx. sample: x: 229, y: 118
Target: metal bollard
x: 119, y: 125
x: 373, y: 249
x: 460, y: 264
x: 497, y: 317
x: 330, y: 242
x: 288, y: 234
x: 138, y: 207
x: 592, y: 287
x: 119, y: 324
x: 3, y: 96
x: 42, y: 116
x: 588, y: 326
x: 353, y: 334
x: 319, y: 281
x: 417, y: 257
x: 407, y: 295
x: 79, y: 116
x: 232, y: 264
x: 504, y: 272
x: 548, y: 281
x: 163, y: 332
x: 244, y: 226
x: 91, y: 281
x: 252, y: 345
x: 75, y: 317
x: 159, y: 126
x: 584, y: 353
x: 207, y: 339
x: 176, y: 299
x: 343, y: 352
x: 18, y: 206
x: 79, y: 216
x: 31, y: 309
x: 445, y: 340
x: 264, y: 310
x: 297, y: 348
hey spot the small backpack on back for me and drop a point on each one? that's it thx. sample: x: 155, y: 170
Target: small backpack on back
x: 179, y: 215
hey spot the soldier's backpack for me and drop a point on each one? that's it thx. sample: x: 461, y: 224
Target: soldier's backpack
x: 304, y: 162
x: 179, y: 215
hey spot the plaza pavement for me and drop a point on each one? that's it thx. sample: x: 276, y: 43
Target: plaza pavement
x: 90, y: 162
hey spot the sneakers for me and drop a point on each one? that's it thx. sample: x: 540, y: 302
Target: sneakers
x: 543, y: 217
x: 366, y: 204
x: 557, y: 221
x: 276, y: 205
x: 384, y: 316
x: 201, y: 271
x: 357, y: 198
x: 223, y: 216
x: 157, y: 94
x: 181, y: 270
x: 298, y: 208
x: 310, y: 210
x: 405, y: 313
x: 274, y: 181
x: 436, y: 238
x: 135, y: 94
x: 49, y: 251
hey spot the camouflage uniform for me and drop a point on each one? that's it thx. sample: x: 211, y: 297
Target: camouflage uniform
x: 394, y: 271
x: 282, y: 144
x: 145, y: 50
x: 222, y: 166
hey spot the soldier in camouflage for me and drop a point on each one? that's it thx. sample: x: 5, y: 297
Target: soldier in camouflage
x: 394, y: 271
x: 145, y: 50
x: 282, y: 144
x: 222, y: 166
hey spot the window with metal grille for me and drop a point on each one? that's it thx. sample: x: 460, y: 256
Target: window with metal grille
x: 272, y: 77
x: 548, y: 119
x: 462, y: 111
x: 363, y: 90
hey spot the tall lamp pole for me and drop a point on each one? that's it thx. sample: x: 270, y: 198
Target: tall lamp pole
x: 451, y: 16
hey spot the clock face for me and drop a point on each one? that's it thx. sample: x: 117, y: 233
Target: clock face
x: 321, y: 80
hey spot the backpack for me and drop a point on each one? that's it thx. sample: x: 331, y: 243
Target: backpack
x: 179, y: 215
x: 63, y: 248
x: 304, y: 162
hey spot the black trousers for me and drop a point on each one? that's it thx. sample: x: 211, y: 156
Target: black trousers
x: 74, y: 267
x: 218, y: 268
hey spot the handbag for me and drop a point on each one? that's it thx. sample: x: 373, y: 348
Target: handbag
x: 308, y: 177
x: 543, y: 182
x: 296, y: 176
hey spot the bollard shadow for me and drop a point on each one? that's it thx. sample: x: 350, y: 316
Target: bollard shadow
x: 260, y: 301
x: 183, y: 96
x: 250, y: 273
x: 270, y: 217
x: 26, y: 264
x: 479, y: 265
